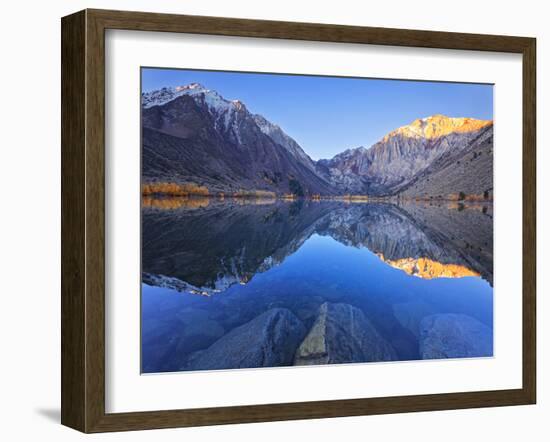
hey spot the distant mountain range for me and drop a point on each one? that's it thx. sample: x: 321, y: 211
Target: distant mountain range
x: 193, y: 134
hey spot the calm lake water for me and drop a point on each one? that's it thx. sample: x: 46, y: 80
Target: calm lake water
x: 236, y: 284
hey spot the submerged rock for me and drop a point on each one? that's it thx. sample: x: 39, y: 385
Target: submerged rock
x: 269, y: 340
x: 342, y: 334
x: 454, y: 336
x: 409, y: 314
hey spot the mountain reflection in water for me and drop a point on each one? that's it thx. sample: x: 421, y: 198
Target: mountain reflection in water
x: 313, y: 282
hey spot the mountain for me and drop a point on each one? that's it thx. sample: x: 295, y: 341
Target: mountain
x: 392, y: 164
x: 193, y: 134
x: 468, y: 171
x: 279, y: 136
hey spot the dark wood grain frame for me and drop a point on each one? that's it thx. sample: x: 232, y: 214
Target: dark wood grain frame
x: 83, y: 220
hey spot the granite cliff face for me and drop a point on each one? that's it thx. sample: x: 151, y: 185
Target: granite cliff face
x: 405, y: 155
x: 464, y: 173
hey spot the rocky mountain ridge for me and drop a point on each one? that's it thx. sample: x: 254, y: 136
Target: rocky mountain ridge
x: 391, y: 164
x: 193, y: 134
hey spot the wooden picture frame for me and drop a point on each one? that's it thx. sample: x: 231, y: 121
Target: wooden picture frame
x: 83, y: 220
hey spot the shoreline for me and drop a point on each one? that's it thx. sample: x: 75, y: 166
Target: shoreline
x: 344, y: 198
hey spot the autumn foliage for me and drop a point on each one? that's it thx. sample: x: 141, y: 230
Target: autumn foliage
x: 173, y: 189
x: 353, y: 198
x: 254, y: 194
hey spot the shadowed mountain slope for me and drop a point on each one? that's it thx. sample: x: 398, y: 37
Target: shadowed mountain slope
x: 191, y: 134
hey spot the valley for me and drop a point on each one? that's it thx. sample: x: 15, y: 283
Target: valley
x: 196, y: 142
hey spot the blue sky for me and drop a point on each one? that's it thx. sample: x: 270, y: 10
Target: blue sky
x: 327, y: 115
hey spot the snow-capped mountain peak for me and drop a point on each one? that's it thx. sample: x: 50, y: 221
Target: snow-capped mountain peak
x: 222, y: 110
x: 226, y: 114
x: 437, y: 126
x: 162, y: 96
x: 191, y: 86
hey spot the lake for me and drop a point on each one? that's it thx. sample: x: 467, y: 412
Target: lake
x: 239, y: 283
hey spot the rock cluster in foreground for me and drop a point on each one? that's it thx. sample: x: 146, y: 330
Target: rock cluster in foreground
x: 269, y: 340
x: 454, y: 336
x: 342, y: 334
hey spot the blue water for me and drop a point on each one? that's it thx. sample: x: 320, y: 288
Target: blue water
x: 178, y: 323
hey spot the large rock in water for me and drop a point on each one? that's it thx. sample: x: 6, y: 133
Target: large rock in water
x: 410, y: 314
x: 269, y: 340
x: 342, y: 334
x: 454, y: 336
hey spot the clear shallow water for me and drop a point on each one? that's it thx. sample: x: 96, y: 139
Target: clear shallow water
x: 229, y: 285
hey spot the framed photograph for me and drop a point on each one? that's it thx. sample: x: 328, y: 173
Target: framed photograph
x: 268, y: 220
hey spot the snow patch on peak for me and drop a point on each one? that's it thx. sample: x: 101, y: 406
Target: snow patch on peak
x: 165, y: 95
x: 221, y: 109
x: 227, y: 115
x: 267, y: 127
x: 191, y: 86
x: 238, y: 104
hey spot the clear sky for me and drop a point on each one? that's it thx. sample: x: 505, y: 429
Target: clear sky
x: 327, y: 115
